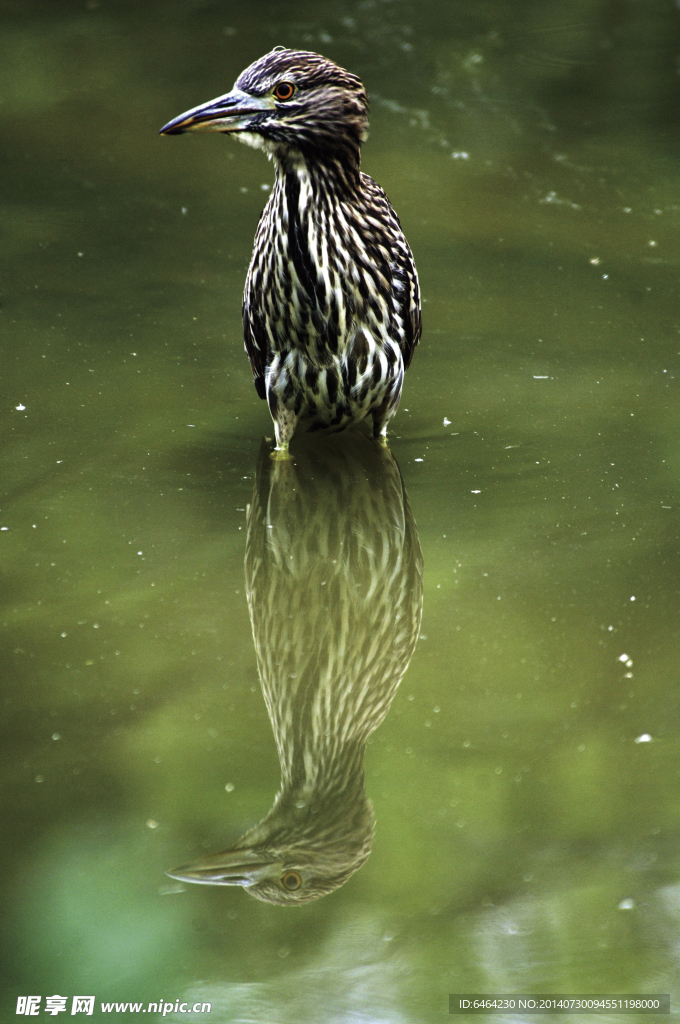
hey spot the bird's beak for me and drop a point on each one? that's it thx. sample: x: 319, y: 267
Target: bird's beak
x: 232, y: 112
x: 233, y: 867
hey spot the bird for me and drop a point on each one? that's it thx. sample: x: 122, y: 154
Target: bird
x: 331, y: 307
x: 333, y: 571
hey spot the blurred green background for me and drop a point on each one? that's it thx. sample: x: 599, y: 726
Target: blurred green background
x: 525, y: 782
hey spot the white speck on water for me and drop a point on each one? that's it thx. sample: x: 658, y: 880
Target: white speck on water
x: 460, y: 155
x: 447, y: 422
x: 627, y: 904
x: 19, y: 408
x: 633, y: 597
x: 623, y: 657
x: 552, y: 197
x: 229, y: 787
x: 541, y: 377
x: 265, y: 188
x: 3, y: 528
x: 475, y: 492
x: 418, y: 460
x: 184, y: 211
x: 56, y: 735
x: 152, y: 823
x: 645, y: 738
x: 595, y: 260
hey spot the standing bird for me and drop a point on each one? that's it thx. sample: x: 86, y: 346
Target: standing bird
x: 331, y: 308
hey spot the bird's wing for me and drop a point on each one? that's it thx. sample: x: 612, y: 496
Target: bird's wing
x: 404, y: 271
x: 255, y: 340
x: 405, y: 288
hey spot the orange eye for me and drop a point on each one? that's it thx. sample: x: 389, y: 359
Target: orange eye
x: 284, y: 91
x: 291, y: 881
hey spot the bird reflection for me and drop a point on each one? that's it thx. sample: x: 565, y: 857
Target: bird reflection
x: 334, y: 583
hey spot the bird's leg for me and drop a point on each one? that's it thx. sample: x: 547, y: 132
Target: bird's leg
x: 285, y: 421
x: 381, y: 417
x: 284, y: 425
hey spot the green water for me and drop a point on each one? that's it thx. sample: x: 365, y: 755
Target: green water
x: 525, y: 780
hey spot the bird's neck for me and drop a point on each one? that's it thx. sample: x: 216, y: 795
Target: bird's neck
x: 324, y: 794
x: 321, y: 805
x: 315, y: 769
x: 327, y: 175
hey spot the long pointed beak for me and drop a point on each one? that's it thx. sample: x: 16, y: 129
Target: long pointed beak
x: 232, y: 112
x: 232, y: 867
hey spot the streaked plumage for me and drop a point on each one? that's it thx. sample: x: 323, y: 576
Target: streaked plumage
x: 334, y: 586
x: 331, y: 309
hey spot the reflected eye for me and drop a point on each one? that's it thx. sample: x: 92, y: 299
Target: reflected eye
x: 284, y: 91
x: 291, y: 881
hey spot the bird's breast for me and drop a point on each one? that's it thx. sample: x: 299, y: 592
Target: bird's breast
x: 315, y: 278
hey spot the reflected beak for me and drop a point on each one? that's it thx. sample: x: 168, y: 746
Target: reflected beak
x: 233, y: 112
x: 233, y: 867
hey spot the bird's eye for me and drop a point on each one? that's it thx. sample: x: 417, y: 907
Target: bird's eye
x: 291, y: 881
x: 284, y: 91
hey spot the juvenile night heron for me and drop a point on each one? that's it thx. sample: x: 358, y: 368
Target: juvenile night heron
x: 334, y: 586
x: 331, y: 309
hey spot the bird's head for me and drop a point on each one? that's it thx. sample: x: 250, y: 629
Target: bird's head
x: 294, y: 855
x: 286, y: 102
